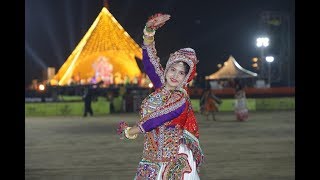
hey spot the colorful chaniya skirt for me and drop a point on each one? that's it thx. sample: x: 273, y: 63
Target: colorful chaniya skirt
x: 183, y: 169
x: 241, y: 109
x: 242, y: 114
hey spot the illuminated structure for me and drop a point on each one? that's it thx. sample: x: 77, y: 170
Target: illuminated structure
x: 107, y: 39
x: 231, y: 69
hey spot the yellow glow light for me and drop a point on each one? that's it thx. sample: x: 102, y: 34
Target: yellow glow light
x: 41, y: 87
x: 106, y: 37
x: 254, y: 65
x: 255, y: 59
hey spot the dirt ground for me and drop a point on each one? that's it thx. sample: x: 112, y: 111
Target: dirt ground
x: 77, y: 148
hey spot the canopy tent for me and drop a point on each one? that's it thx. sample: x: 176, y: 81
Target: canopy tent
x: 106, y: 43
x: 231, y: 69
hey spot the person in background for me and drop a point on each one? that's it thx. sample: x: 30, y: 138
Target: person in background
x: 209, y: 104
x: 87, y: 98
x: 168, y: 123
x: 240, y: 106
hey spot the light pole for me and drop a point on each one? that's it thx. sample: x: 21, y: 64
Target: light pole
x: 262, y: 42
x: 269, y: 59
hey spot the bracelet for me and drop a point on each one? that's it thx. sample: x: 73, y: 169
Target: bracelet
x: 148, y: 31
x: 126, y: 134
x: 148, y: 39
x: 147, y: 42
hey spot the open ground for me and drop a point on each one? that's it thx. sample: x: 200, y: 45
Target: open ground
x: 262, y: 148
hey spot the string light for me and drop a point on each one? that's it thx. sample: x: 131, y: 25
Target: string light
x: 106, y: 37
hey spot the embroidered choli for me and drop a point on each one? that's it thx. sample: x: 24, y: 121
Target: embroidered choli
x: 167, y: 118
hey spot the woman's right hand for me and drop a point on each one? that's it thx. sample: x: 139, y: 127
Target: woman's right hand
x: 157, y: 20
x: 121, y: 128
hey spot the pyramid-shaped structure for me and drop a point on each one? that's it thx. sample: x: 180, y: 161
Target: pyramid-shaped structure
x: 231, y: 69
x: 105, y: 38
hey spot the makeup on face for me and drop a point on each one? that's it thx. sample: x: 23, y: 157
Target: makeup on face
x: 175, y: 75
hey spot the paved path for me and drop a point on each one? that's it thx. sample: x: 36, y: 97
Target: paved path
x: 76, y: 148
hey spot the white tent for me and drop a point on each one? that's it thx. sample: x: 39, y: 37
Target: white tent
x: 231, y: 69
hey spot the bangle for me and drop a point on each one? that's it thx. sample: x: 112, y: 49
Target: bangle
x: 148, y: 31
x: 126, y: 134
x: 150, y: 38
x: 147, y: 42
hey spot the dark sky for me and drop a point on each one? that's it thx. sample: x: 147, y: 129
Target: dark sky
x: 214, y: 28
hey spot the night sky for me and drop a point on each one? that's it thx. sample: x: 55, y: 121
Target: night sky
x: 215, y: 29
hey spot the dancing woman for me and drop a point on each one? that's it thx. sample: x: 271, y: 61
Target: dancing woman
x: 170, y: 129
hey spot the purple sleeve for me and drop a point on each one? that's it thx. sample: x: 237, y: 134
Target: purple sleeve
x: 150, y: 70
x: 157, y: 121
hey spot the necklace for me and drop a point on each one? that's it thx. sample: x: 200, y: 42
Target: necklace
x: 166, y: 93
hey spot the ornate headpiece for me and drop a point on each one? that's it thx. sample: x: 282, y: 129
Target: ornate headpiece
x: 188, y: 56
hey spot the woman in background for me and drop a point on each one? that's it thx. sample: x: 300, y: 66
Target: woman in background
x: 241, y: 109
x: 209, y: 104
